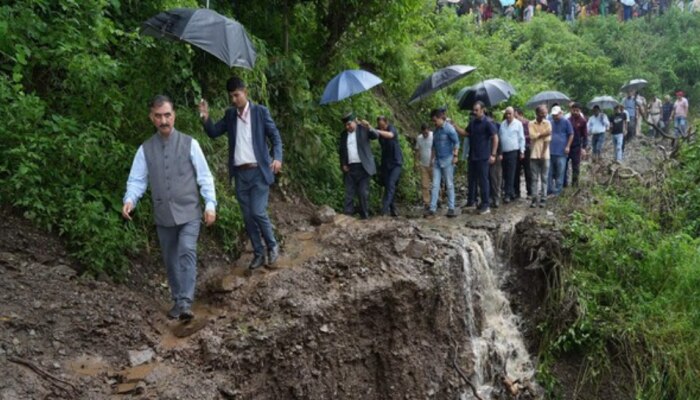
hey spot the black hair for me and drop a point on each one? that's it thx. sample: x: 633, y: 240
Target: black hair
x: 438, y: 112
x: 480, y: 104
x: 160, y: 99
x: 234, y: 84
x: 423, y: 126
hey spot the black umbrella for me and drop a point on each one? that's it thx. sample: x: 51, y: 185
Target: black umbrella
x: 548, y: 97
x: 490, y: 92
x: 221, y: 37
x: 440, y: 79
x: 634, y: 84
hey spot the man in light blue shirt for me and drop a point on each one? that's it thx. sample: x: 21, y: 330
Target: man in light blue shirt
x: 630, y: 104
x: 444, y: 157
x: 173, y: 164
x: 559, y: 147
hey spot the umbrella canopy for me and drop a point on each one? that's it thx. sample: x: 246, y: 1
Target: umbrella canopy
x: 490, y: 92
x: 219, y: 36
x: 440, y: 79
x: 634, y: 84
x: 348, y: 83
x: 604, y: 102
x: 506, y: 3
x: 548, y: 97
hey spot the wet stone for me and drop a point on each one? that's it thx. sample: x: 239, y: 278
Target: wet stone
x: 138, y: 357
x: 324, y: 215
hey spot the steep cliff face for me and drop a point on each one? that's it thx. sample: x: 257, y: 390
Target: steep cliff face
x: 360, y: 310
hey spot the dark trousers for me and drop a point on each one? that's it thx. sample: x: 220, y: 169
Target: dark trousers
x: 479, y: 173
x: 495, y: 182
x: 523, y: 166
x: 574, y: 159
x: 390, y: 176
x: 509, y: 165
x: 252, y: 193
x: 356, y: 184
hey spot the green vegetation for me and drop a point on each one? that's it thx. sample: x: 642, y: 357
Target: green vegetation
x: 75, y: 78
x: 633, y: 276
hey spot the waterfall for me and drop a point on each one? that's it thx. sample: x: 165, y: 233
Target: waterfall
x: 495, y: 339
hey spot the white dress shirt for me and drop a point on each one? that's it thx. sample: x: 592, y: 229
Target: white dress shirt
x: 244, y: 153
x: 353, y: 154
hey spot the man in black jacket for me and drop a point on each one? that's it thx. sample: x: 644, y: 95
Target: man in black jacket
x: 357, y: 162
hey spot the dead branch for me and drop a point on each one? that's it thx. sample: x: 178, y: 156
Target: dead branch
x: 459, y: 371
x: 54, y: 380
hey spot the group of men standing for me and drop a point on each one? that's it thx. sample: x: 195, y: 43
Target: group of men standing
x: 498, y: 153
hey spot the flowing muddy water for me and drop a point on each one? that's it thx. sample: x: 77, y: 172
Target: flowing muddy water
x: 502, y: 366
x: 497, y: 345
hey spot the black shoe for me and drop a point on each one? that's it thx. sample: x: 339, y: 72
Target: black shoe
x: 272, y: 255
x: 258, y: 261
x: 506, y: 200
x: 174, y: 312
x: 394, y: 213
x: 429, y: 214
x: 533, y: 204
x: 543, y: 202
x: 451, y: 213
x: 186, y: 314
x: 470, y: 204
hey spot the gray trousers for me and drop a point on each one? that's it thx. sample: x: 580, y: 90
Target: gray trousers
x: 539, y: 170
x: 179, y: 247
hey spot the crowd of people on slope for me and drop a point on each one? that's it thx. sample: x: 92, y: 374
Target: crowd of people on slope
x: 524, y: 10
x: 498, y: 153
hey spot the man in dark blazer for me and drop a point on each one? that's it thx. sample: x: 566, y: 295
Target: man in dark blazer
x: 248, y: 126
x: 357, y: 163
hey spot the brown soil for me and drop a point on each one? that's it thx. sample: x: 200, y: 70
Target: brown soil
x: 351, y: 312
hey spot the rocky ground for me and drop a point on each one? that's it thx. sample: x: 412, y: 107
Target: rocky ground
x: 354, y: 310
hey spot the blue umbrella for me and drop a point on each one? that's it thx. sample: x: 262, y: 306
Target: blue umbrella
x: 348, y: 83
x: 506, y: 3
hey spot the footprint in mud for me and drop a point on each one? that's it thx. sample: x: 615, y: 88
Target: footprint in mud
x: 184, y: 329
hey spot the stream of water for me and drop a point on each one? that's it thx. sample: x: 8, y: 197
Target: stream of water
x: 496, y: 341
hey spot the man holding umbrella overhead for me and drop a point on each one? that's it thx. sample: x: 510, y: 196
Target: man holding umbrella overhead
x: 248, y: 125
x: 357, y: 163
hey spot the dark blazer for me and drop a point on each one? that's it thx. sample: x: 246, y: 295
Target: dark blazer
x: 262, y: 126
x: 364, y: 135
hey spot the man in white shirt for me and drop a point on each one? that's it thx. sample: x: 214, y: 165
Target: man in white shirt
x: 424, y: 145
x: 598, y: 124
x: 357, y: 163
x: 251, y: 165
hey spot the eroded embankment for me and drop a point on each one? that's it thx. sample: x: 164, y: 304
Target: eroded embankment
x: 356, y: 310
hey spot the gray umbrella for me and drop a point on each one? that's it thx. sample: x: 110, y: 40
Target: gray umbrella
x: 604, y: 102
x: 548, y: 98
x: 219, y: 36
x: 634, y: 84
x: 490, y: 92
x: 440, y: 79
